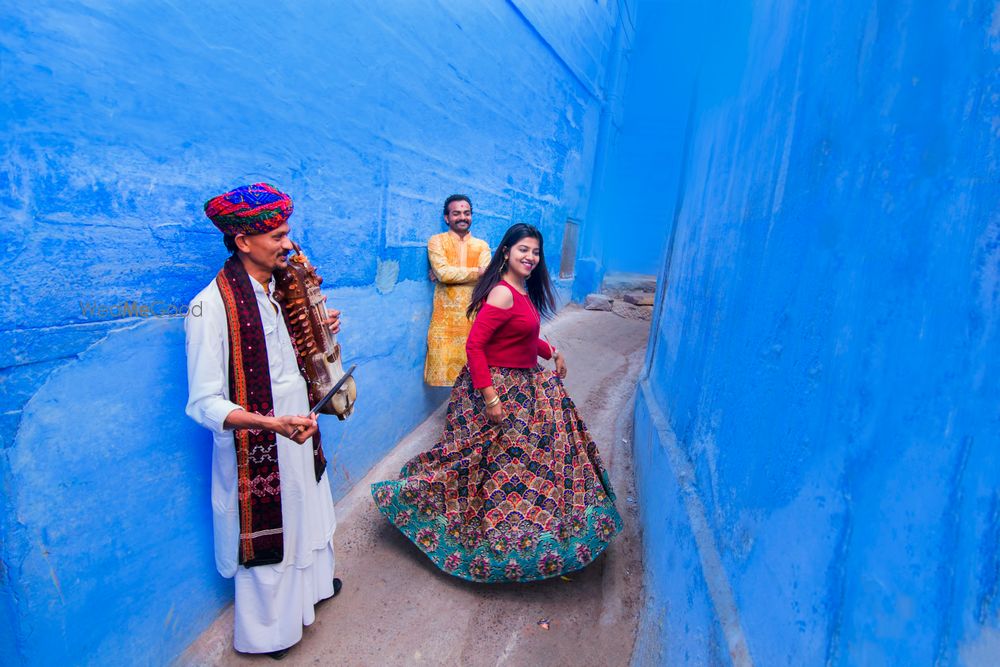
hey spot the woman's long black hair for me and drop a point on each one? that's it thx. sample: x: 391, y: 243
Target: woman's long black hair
x: 538, y: 283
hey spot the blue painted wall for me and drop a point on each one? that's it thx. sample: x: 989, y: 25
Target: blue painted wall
x: 116, y: 123
x: 816, y: 439
x: 650, y: 112
x: 647, y: 110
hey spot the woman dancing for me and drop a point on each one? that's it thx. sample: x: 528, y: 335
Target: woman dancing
x: 515, y: 490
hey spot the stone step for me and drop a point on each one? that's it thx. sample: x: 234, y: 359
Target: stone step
x: 639, y: 298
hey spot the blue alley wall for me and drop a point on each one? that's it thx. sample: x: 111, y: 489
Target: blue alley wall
x: 116, y: 123
x: 816, y: 438
x: 651, y: 105
x: 646, y: 114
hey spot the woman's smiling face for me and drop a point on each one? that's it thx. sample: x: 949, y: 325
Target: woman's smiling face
x: 524, y: 257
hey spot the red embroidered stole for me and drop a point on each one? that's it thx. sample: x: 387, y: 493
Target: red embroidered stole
x: 259, y: 480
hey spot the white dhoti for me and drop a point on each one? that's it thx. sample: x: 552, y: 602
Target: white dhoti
x: 272, y: 606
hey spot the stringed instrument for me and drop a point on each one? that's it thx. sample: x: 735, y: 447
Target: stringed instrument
x: 297, y: 290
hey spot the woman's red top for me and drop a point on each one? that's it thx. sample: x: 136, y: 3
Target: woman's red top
x: 506, y: 338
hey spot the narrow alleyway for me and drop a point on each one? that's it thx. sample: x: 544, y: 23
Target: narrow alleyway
x: 396, y: 608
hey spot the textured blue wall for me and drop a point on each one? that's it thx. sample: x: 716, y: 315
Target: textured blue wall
x: 816, y: 441
x: 116, y: 123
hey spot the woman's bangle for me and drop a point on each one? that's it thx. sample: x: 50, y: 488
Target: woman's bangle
x: 493, y: 401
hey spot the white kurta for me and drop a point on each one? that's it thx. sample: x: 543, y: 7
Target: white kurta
x: 273, y: 602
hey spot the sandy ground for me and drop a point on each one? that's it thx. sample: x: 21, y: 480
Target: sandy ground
x: 396, y: 608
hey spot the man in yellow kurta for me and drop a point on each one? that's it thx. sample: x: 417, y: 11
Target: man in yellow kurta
x: 457, y: 260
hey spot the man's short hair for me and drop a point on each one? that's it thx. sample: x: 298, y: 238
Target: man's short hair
x: 454, y: 198
x: 230, y: 242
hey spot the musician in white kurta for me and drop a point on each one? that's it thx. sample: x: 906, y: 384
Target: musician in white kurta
x: 272, y: 602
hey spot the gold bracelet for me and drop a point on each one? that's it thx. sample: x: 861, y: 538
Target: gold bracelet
x: 493, y: 401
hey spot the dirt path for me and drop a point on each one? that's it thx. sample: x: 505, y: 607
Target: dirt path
x: 396, y: 608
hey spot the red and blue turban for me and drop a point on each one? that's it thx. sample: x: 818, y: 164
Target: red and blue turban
x: 249, y: 209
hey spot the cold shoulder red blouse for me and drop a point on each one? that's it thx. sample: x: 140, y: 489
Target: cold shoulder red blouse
x: 506, y: 338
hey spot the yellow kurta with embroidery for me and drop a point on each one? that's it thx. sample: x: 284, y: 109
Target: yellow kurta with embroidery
x: 454, y: 262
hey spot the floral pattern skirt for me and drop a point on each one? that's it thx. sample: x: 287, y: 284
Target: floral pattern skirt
x: 522, y: 500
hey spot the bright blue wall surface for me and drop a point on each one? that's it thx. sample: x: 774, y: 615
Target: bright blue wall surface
x: 645, y: 122
x: 635, y: 206
x: 116, y: 123
x: 816, y: 442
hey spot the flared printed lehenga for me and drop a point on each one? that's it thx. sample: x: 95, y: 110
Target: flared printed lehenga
x: 522, y: 500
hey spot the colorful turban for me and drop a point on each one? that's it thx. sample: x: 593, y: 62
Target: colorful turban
x: 250, y: 209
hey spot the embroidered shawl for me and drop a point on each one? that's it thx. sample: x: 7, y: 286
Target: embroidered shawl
x: 259, y: 480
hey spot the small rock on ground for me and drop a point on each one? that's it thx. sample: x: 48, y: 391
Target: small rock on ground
x: 597, y: 302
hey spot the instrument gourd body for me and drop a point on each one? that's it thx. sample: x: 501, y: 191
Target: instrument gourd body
x: 298, y: 291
